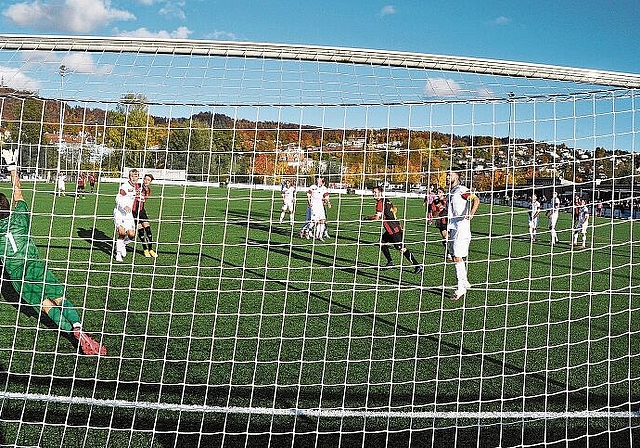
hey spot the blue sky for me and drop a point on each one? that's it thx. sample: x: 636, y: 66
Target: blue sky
x: 601, y: 35
x: 591, y: 34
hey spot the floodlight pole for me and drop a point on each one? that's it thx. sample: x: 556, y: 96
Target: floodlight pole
x: 62, y: 72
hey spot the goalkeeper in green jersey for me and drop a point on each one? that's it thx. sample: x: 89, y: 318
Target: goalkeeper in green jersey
x: 28, y: 274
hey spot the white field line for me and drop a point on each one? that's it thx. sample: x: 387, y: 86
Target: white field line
x: 331, y: 413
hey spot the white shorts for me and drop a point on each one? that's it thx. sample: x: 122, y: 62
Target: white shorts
x: 318, y: 213
x: 533, y: 223
x: 124, y: 220
x: 459, y: 243
x: 582, y: 228
x: 553, y: 219
x: 287, y: 207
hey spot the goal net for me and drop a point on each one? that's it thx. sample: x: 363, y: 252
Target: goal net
x: 254, y: 328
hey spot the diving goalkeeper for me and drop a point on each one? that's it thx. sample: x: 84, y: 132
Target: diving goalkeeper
x: 29, y: 275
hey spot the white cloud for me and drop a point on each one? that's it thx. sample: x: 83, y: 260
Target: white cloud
x: 447, y: 88
x: 180, y: 33
x: 74, y: 62
x: 387, y: 10
x: 222, y: 35
x: 485, y: 93
x: 77, y: 16
x: 16, y: 79
x: 438, y: 87
x: 173, y: 9
x: 502, y: 20
x: 84, y: 63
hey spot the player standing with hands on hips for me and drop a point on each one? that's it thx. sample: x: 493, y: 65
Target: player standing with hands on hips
x: 462, y: 205
x: 27, y: 273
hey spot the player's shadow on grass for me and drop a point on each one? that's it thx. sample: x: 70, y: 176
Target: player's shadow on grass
x: 98, y: 239
x: 309, y: 254
x: 487, y: 359
x: 263, y: 226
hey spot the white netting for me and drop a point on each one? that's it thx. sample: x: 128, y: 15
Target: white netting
x: 246, y: 332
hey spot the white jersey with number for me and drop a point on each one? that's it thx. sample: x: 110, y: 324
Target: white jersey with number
x: 458, y: 209
x: 458, y: 226
x: 288, y: 194
x: 316, y: 195
x: 126, y: 196
x: 583, y: 219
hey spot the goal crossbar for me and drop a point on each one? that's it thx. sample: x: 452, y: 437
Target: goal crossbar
x: 312, y: 53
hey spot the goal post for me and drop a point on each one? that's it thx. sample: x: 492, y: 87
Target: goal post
x: 251, y: 329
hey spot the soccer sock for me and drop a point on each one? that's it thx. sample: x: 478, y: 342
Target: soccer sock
x: 69, y: 311
x: 409, y: 256
x: 149, y: 235
x: 386, y: 252
x: 55, y: 313
x: 461, y: 274
x: 281, y: 216
x: 141, y: 236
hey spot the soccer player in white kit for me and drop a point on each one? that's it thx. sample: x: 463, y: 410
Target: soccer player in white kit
x: 552, y: 215
x: 534, y: 213
x: 317, y: 198
x: 123, y: 215
x: 288, y: 193
x: 462, y: 204
x: 582, y: 223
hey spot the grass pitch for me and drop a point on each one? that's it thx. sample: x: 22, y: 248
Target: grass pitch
x: 238, y: 312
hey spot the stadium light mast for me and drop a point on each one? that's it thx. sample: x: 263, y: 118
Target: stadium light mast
x: 62, y: 71
x: 511, y: 146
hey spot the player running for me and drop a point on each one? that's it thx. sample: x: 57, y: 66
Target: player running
x: 393, y: 234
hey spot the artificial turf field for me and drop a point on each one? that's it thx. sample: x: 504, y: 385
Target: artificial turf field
x: 239, y: 314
